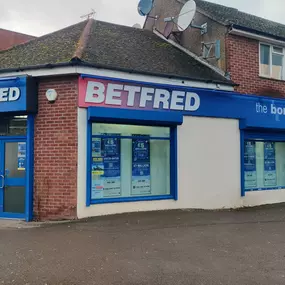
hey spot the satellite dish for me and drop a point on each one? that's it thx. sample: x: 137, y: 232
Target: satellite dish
x: 186, y: 15
x: 145, y: 6
x: 137, y: 26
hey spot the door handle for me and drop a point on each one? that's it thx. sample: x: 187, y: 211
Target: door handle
x: 3, y: 181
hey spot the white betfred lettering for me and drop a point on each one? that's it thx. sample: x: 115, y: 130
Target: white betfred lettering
x: 161, y: 96
x: 14, y: 94
x: 145, y: 96
x: 4, y: 94
x: 95, y: 92
x: 114, y: 94
x: 189, y: 97
x: 132, y: 90
x: 177, y: 100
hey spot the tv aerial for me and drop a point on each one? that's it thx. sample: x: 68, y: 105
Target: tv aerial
x: 183, y: 20
x: 89, y: 15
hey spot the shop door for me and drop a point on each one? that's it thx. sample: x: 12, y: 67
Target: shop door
x: 12, y: 177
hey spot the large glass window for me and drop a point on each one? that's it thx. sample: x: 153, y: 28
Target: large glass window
x: 264, y: 165
x: 129, y: 161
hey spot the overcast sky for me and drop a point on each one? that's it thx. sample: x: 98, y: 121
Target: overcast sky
x: 38, y: 17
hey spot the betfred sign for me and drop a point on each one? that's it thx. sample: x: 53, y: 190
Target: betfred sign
x: 18, y: 94
x: 105, y: 93
x: 10, y: 94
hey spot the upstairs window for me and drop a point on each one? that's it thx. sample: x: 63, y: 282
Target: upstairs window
x: 271, y: 61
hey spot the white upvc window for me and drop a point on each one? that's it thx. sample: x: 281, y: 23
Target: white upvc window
x: 271, y: 61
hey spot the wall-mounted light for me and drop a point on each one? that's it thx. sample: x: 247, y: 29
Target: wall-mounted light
x: 51, y: 95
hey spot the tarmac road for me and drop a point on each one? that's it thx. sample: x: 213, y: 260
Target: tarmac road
x: 176, y: 247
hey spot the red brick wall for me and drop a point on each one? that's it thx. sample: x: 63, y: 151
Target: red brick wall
x: 243, y: 64
x: 55, y: 187
x: 9, y: 39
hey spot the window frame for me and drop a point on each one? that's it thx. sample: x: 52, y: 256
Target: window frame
x: 173, y: 167
x: 258, y: 137
x: 271, y: 52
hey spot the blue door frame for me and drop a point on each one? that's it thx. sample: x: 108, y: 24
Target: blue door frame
x: 28, y: 181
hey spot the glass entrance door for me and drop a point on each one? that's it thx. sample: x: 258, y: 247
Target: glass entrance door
x: 12, y: 176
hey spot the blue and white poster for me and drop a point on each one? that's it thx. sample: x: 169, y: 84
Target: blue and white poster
x: 250, y: 177
x: 106, y: 167
x: 97, y: 177
x: 111, y: 151
x: 141, y: 166
x: 21, y: 156
x: 270, y: 178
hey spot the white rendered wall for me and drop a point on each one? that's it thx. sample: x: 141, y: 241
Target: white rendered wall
x: 208, y: 169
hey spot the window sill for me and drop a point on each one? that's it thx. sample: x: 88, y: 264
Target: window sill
x: 271, y: 78
x: 131, y: 199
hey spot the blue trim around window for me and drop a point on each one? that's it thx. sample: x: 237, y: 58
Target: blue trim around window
x: 242, y: 163
x: 132, y: 117
x: 135, y: 117
x: 258, y: 135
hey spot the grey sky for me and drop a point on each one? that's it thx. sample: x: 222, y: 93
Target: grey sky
x: 38, y: 17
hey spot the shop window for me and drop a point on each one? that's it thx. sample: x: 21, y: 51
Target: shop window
x: 271, y: 61
x: 130, y: 162
x: 264, y: 164
x: 13, y: 126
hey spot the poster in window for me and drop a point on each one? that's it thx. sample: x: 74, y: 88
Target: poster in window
x: 250, y: 177
x: 97, y: 177
x: 106, y: 167
x: 21, y: 156
x: 270, y: 178
x: 141, y: 166
x: 111, y: 150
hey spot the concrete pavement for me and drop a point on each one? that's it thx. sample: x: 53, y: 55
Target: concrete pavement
x: 175, y: 247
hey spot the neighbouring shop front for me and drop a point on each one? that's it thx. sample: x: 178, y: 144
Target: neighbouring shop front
x: 155, y: 147
x: 18, y: 104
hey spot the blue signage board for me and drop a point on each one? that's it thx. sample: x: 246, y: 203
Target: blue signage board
x: 270, y: 178
x: 18, y: 94
x: 141, y: 166
x: 253, y: 111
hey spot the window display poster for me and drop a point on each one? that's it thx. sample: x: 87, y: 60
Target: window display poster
x: 96, y: 147
x: 141, y: 166
x: 111, y: 151
x: 106, y: 167
x: 270, y: 178
x: 250, y: 176
x: 21, y: 156
x: 97, y: 177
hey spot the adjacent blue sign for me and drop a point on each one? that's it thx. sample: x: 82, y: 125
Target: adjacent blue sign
x: 18, y: 94
x: 21, y: 156
x: 270, y: 178
x: 141, y: 166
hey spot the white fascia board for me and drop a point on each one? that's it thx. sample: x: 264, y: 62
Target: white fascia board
x: 257, y: 37
x: 71, y: 70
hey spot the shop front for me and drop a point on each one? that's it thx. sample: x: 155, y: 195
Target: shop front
x: 157, y: 147
x: 18, y: 104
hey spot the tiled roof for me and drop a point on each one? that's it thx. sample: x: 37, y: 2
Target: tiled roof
x: 106, y: 45
x: 228, y: 15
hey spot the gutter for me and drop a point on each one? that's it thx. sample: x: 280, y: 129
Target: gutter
x: 252, y: 34
x: 78, y: 63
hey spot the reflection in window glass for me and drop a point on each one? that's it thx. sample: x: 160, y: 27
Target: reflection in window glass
x: 130, y: 161
x: 265, y: 60
x: 264, y: 165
